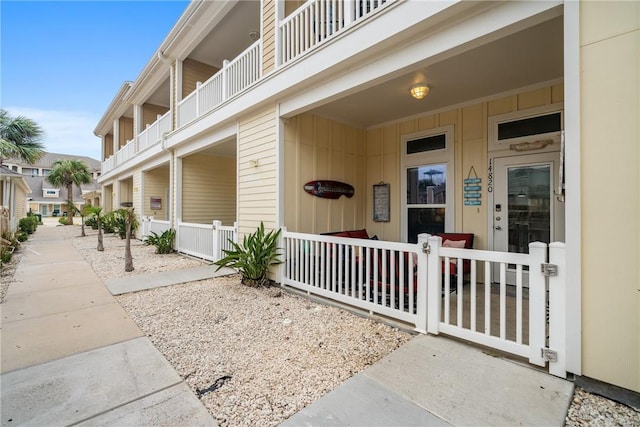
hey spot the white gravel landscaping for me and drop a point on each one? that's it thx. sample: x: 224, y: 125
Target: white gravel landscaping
x: 256, y: 356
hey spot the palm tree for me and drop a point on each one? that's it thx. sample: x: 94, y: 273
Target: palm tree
x: 130, y: 218
x: 65, y: 173
x: 20, y: 138
x: 97, y: 211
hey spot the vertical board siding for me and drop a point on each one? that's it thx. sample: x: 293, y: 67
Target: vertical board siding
x: 384, y: 156
x: 257, y: 141
x: 126, y: 130
x: 150, y: 114
x: 193, y: 72
x: 108, y: 146
x: 319, y: 148
x: 156, y: 184
x: 208, y: 189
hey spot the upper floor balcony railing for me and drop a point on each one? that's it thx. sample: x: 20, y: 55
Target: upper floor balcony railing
x: 234, y: 77
x: 318, y: 20
x: 149, y: 137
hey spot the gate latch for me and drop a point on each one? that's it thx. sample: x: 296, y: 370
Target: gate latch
x: 549, y: 355
x: 549, y: 269
x: 426, y: 248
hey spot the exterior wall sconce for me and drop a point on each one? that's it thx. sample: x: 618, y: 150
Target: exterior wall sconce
x: 253, y: 163
x: 419, y: 90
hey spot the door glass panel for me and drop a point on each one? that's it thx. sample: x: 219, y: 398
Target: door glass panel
x: 529, y: 198
x: 424, y: 220
x: 427, y: 185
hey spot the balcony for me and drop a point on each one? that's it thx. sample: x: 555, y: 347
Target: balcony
x: 318, y: 20
x: 149, y: 137
x: 234, y: 77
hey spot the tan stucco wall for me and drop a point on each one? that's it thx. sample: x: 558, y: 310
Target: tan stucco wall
x: 257, y: 196
x: 610, y: 99
x: 208, y: 189
x: 384, y: 153
x: 318, y: 148
x: 156, y: 184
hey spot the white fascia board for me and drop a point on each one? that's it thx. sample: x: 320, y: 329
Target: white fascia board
x: 508, y: 17
x: 208, y: 139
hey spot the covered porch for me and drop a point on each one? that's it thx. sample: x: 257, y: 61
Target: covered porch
x: 472, y: 156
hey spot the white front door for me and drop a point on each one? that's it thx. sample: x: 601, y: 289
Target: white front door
x: 525, y: 208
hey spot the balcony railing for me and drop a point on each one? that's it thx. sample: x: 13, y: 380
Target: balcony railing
x: 149, y: 137
x: 318, y: 20
x: 234, y: 77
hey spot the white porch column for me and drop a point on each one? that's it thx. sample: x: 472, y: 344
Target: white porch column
x: 137, y: 120
x: 280, y: 10
x: 102, y: 142
x: 116, y: 135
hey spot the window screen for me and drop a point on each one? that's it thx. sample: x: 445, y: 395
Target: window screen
x: 530, y: 126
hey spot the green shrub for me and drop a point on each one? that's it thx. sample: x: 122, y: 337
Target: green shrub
x: 28, y: 224
x: 109, y: 222
x: 62, y: 220
x: 253, y: 258
x: 120, y: 223
x: 21, y: 237
x: 162, y: 242
x: 91, y: 221
x: 6, y: 252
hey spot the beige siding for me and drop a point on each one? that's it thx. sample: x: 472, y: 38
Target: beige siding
x: 208, y: 189
x: 193, y: 72
x: 150, y: 114
x: 107, y: 198
x: 470, y: 149
x: 21, y: 203
x: 126, y: 191
x: 610, y: 100
x: 156, y: 184
x: 126, y: 130
x: 108, y: 146
x: 268, y: 36
x: 136, y: 182
x: 257, y: 141
x: 318, y: 148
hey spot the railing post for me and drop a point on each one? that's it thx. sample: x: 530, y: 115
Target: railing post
x: 158, y: 130
x: 216, y: 240
x: 198, y: 84
x: 537, y: 303
x: 235, y: 231
x: 434, y: 283
x: 280, y: 273
x: 225, y: 79
x: 349, y: 12
x: 557, y: 310
x: 422, y: 297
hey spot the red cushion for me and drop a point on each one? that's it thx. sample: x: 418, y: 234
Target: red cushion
x: 467, y: 237
x: 341, y: 234
x: 359, y: 234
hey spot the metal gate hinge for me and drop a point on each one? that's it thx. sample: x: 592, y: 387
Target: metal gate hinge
x: 426, y: 248
x: 549, y: 269
x: 549, y: 355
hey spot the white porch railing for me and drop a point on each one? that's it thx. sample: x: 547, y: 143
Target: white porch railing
x: 125, y: 153
x: 318, y: 20
x: 150, y: 224
x: 205, y: 241
x: 152, y: 135
x: 234, y: 77
x: 407, y: 282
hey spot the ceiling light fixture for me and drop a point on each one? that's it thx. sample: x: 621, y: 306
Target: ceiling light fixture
x: 254, y: 35
x: 419, y: 90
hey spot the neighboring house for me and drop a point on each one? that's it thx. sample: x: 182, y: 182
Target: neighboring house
x: 13, y: 199
x: 245, y: 102
x: 44, y: 198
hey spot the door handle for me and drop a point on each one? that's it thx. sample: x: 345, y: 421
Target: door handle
x: 497, y: 227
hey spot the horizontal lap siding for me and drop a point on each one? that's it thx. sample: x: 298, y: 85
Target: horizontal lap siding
x: 257, y: 141
x: 208, y: 189
x: 136, y: 181
x: 156, y: 184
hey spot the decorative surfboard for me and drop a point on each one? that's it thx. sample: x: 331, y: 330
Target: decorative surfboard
x: 329, y: 189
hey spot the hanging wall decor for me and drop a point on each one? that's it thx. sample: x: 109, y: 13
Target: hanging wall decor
x: 329, y: 189
x: 472, y: 189
x: 381, y: 202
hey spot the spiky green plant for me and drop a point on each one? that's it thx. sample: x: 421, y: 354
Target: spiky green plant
x: 163, y: 242
x: 254, y: 256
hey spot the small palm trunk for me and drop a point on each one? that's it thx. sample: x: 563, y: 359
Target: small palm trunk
x: 128, y: 259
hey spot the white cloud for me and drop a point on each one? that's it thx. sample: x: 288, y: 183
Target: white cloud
x: 66, y: 132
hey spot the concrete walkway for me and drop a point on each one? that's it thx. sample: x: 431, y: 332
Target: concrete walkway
x: 71, y: 355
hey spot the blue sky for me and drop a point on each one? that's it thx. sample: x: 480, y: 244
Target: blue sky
x: 62, y: 62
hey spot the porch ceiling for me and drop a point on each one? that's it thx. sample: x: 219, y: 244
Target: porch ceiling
x: 522, y: 59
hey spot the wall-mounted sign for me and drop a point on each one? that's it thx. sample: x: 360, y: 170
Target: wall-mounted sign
x: 381, y: 202
x: 472, y: 189
x: 329, y: 189
x: 155, y: 203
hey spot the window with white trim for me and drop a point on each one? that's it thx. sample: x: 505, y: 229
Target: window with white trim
x: 427, y: 177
